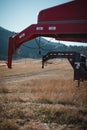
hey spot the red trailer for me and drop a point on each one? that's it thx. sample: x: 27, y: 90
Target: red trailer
x: 63, y: 22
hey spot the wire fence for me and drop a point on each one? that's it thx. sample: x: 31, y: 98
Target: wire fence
x: 20, y: 56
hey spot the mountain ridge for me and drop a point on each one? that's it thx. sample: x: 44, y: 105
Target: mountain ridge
x: 35, y: 48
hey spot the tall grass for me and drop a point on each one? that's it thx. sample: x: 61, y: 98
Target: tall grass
x: 42, y: 102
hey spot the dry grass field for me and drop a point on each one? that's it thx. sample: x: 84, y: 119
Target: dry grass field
x: 32, y: 98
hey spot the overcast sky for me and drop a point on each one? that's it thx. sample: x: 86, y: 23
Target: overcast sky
x: 16, y: 15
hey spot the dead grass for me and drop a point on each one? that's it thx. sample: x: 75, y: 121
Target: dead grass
x: 47, y: 99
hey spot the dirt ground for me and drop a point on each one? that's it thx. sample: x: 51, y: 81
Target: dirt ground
x: 32, y: 98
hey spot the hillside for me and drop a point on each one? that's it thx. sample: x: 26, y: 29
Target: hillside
x: 4, y: 36
x: 34, y: 48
